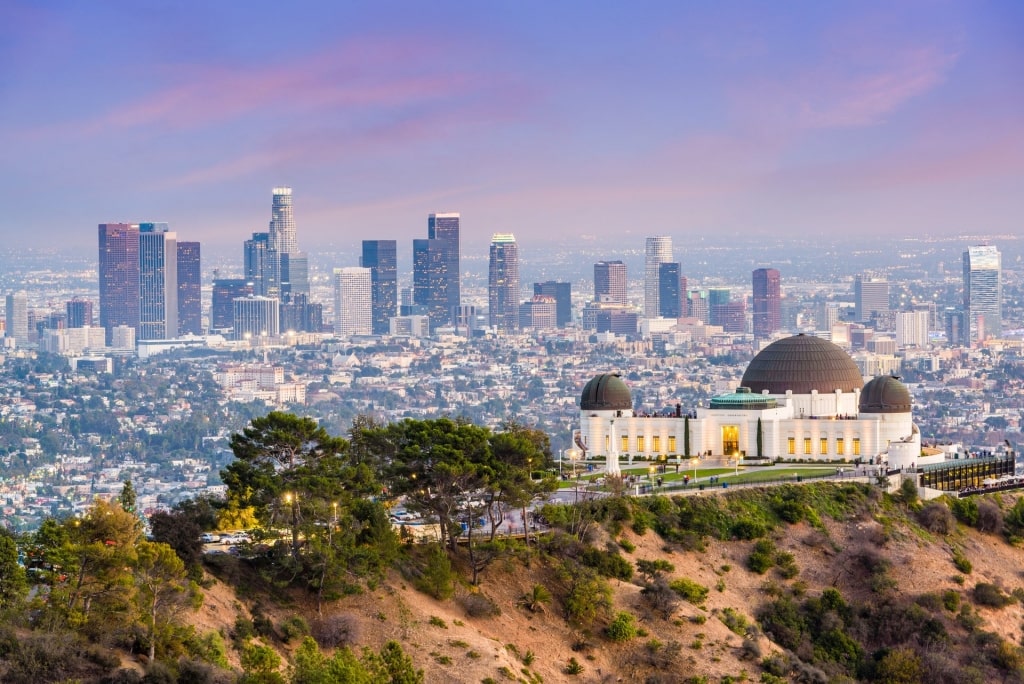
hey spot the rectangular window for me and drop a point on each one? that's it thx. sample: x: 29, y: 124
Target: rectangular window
x: 624, y: 444
x: 856, y: 446
x: 792, y: 446
x: 807, y: 446
x: 640, y: 445
x: 657, y: 445
x: 672, y: 443
x: 840, y: 447
x: 823, y: 445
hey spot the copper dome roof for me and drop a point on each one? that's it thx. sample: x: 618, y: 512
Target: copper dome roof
x: 606, y: 393
x: 802, y: 363
x: 885, y: 394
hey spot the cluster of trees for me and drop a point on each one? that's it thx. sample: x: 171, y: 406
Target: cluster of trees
x: 96, y: 575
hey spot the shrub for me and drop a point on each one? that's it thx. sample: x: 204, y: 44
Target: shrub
x: 438, y: 622
x: 332, y: 631
x: 951, y: 600
x: 734, y: 620
x: 477, y: 605
x: 608, y: 563
x: 762, y: 558
x: 627, y: 546
x: 690, y: 591
x: 990, y: 517
x: 936, y: 518
x: 962, y: 563
x: 573, y: 667
x: 966, y: 511
x: 990, y: 595
x: 438, y: 578
x: 535, y: 599
x: 294, y: 627
x: 622, y: 627
x: 660, y: 597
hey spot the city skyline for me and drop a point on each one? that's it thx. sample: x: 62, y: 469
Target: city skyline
x: 683, y: 120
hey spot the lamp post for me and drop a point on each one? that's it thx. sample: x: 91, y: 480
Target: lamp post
x: 736, y: 456
x: 694, y: 461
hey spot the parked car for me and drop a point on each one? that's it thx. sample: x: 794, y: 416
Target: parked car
x: 236, y: 538
x: 209, y: 538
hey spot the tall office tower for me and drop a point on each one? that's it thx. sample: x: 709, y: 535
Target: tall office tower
x: 610, y: 282
x: 446, y: 227
x: 256, y: 318
x: 767, y: 302
x: 299, y: 315
x: 353, y: 301
x: 718, y: 298
x: 79, y: 313
x: 983, y: 292
x: 190, y: 289
x: 222, y: 308
x: 119, y: 276
x: 158, y: 282
x: 257, y: 263
x: 912, y: 329
x: 430, y: 280
x: 669, y: 293
x: 17, y: 317
x: 503, y: 282
x: 283, y: 238
x: 659, y: 251
x: 294, y: 274
x: 562, y: 293
x: 539, y: 313
x: 956, y: 327
x: 698, y: 305
x: 381, y: 257
x: 732, y: 316
x: 870, y: 298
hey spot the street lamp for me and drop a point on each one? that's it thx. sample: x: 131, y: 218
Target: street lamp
x: 694, y: 461
x: 737, y: 457
x: 650, y: 473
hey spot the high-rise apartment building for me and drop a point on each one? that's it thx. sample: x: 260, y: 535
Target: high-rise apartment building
x: 503, y: 282
x: 445, y: 227
x: 670, y: 290
x: 79, y: 313
x: 610, y: 282
x: 912, y: 329
x: 190, y: 289
x: 17, y: 317
x: 767, y: 302
x: 983, y: 292
x: 658, y: 251
x: 158, y: 282
x: 256, y: 318
x: 119, y: 276
x: 562, y: 294
x: 381, y: 257
x: 870, y: 298
x: 353, y: 301
x: 222, y: 308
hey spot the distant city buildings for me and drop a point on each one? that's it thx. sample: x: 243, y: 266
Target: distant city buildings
x: 79, y: 313
x: 671, y: 286
x: 222, y: 308
x: 353, y: 301
x: 256, y: 318
x: 870, y: 298
x: 381, y: 257
x: 437, y: 280
x: 912, y: 329
x: 658, y: 251
x: 119, y: 276
x: 190, y: 286
x: 17, y: 317
x: 767, y: 303
x: 983, y: 292
x: 562, y: 294
x: 610, y: 282
x: 158, y: 282
x: 503, y: 283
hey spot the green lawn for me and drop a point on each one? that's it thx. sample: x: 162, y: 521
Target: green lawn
x: 726, y: 474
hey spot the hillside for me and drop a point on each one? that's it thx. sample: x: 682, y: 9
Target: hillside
x: 859, y: 586
x: 876, y: 555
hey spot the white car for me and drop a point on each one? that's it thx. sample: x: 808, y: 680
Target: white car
x: 236, y: 538
x: 209, y: 538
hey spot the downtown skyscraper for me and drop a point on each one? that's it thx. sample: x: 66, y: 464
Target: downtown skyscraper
x: 610, y: 282
x: 190, y: 303
x: 353, y: 301
x: 436, y: 275
x: 273, y: 262
x: 767, y: 301
x: 671, y: 290
x: 158, y: 282
x: 658, y: 251
x: 119, y: 276
x: 983, y: 292
x: 381, y: 257
x: 503, y: 282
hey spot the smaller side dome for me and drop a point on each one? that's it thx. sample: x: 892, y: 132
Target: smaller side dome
x: 606, y: 393
x: 885, y: 394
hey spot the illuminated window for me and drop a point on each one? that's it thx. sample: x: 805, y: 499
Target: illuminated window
x: 840, y: 448
x: 807, y: 446
x: 607, y: 442
x: 823, y: 445
x: 856, y: 446
x: 640, y: 444
x: 792, y: 446
x: 672, y: 443
x: 657, y: 444
x: 624, y: 443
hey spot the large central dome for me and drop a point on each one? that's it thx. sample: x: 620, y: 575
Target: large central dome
x: 802, y: 364
x: 606, y: 393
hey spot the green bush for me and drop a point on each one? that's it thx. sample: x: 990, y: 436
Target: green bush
x: 762, y: 558
x: 990, y: 595
x: 961, y: 563
x: 437, y: 578
x: 690, y: 591
x: 622, y: 627
x: 294, y: 627
x: 573, y: 667
x: 608, y: 563
x: 734, y: 620
x: 966, y: 511
x: 951, y: 600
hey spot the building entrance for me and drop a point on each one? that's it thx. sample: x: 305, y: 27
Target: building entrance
x: 730, y: 439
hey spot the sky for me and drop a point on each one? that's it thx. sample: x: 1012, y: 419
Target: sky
x: 556, y: 121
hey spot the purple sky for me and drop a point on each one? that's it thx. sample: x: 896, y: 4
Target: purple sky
x: 539, y: 118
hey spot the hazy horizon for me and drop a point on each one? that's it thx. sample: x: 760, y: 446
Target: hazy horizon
x: 595, y: 122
